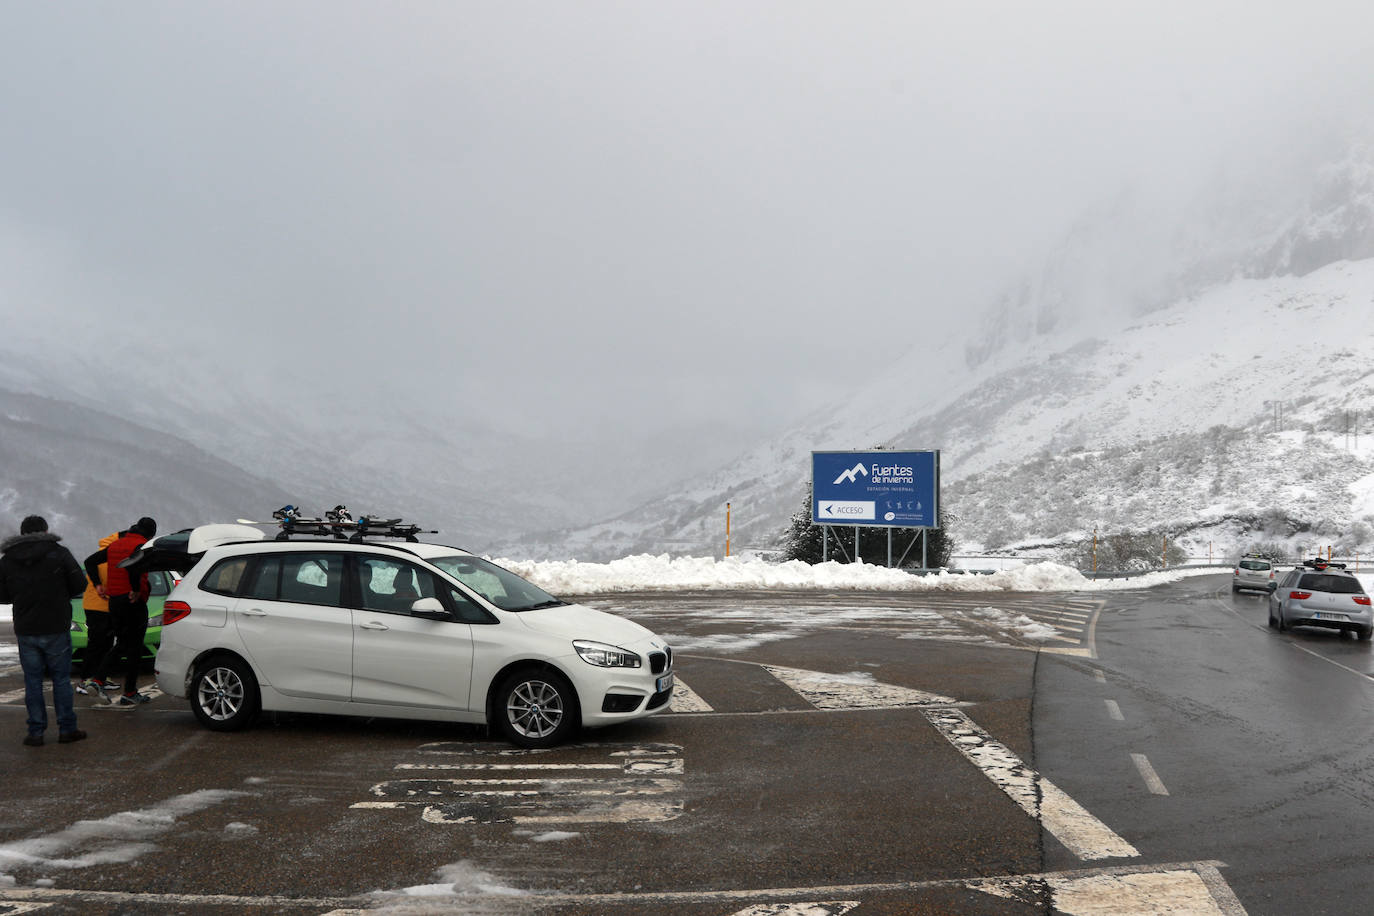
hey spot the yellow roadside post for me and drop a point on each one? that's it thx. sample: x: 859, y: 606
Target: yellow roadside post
x: 727, y: 529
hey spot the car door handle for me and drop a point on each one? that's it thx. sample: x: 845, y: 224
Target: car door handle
x: 253, y: 612
x: 373, y: 625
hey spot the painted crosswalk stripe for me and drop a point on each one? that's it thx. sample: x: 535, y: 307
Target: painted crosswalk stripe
x: 637, y: 785
x: 685, y: 699
x: 1069, y: 822
x: 852, y: 691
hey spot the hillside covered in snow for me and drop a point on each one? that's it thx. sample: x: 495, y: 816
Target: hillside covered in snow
x: 1228, y: 400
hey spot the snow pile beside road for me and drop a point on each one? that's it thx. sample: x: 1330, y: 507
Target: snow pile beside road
x: 647, y: 572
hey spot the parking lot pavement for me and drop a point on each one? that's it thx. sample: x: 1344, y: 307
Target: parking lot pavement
x: 842, y: 769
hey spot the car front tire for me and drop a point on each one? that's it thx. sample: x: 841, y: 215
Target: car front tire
x: 224, y: 694
x: 536, y: 708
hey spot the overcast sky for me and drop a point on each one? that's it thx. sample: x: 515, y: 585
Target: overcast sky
x: 662, y: 212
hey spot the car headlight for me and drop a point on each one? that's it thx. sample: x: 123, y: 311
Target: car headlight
x: 605, y: 656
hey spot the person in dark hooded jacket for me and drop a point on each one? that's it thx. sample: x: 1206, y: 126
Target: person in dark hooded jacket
x: 40, y: 577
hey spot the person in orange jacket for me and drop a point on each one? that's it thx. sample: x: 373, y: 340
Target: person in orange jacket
x: 128, y: 597
x: 100, y: 636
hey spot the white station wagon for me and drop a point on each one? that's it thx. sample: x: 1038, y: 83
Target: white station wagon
x: 401, y: 630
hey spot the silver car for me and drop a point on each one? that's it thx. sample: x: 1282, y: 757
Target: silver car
x: 1321, y: 594
x: 1253, y: 572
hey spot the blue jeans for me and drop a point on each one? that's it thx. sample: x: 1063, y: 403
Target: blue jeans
x: 51, y: 654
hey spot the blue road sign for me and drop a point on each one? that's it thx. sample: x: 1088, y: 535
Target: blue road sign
x: 879, y: 488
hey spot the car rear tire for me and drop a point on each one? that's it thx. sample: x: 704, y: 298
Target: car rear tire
x: 224, y: 694
x: 1365, y: 633
x: 1272, y: 624
x: 536, y: 708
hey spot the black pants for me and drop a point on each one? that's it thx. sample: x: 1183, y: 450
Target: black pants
x: 100, y: 638
x: 129, y: 618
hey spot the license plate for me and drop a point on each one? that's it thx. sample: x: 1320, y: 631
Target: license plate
x: 1320, y: 616
x: 663, y: 683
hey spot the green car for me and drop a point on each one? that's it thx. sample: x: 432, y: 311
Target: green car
x: 161, y: 586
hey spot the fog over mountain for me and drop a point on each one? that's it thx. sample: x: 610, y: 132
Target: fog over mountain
x: 511, y: 269
x: 1224, y: 407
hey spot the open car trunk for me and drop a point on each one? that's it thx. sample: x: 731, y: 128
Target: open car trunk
x: 179, y: 551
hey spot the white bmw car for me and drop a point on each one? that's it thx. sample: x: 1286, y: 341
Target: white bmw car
x: 403, y: 630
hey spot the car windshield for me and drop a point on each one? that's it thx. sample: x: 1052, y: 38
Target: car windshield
x: 501, y: 587
x: 1325, y: 582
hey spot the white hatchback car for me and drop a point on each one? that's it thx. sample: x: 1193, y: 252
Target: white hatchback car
x: 402, y: 630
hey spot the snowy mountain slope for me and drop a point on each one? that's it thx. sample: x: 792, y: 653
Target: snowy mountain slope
x: 1168, y: 422
x: 1148, y: 325
x: 376, y: 445
x: 90, y: 473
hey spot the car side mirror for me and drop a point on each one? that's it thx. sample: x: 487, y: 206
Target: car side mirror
x: 429, y: 609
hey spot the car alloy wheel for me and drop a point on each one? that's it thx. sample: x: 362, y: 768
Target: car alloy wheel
x: 224, y: 694
x: 536, y: 709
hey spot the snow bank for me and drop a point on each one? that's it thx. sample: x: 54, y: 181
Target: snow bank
x: 646, y: 572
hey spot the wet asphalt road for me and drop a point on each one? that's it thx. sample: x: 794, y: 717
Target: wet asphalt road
x: 803, y: 793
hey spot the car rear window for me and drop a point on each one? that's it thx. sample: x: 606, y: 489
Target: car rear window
x: 1261, y: 565
x: 1336, y: 585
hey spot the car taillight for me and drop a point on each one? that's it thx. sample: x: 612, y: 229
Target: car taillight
x: 1362, y: 599
x: 172, y: 611
x: 1236, y: 572
x: 1299, y: 596
x: 1271, y: 574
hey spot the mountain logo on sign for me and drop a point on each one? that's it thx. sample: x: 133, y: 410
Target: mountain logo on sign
x: 850, y: 475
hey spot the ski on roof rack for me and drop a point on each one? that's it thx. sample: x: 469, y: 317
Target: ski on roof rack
x: 340, y: 523
x: 1321, y: 563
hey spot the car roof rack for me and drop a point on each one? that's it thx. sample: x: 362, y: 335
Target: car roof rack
x: 339, y: 523
x: 1320, y: 564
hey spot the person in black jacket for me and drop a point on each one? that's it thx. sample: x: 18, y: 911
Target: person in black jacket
x: 40, y: 578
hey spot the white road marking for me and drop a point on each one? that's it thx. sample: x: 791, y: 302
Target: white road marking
x: 852, y: 691
x: 638, y: 766
x: 1081, y: 833
x: 12, y: 696
x: 1177, y: 890
x: 685, y: 699
x: 1134, y: 885
x: 832, y: 908
x: 1099, y: 676
x: 1114, y: 710
x: 630, y: 789
x: 1147, y: 773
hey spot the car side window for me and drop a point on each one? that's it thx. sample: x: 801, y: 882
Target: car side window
x: 464, y: 608
x: 265, y: 581
x: 391, y: 586
x: 225, y: 577
x: 312, y: 578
